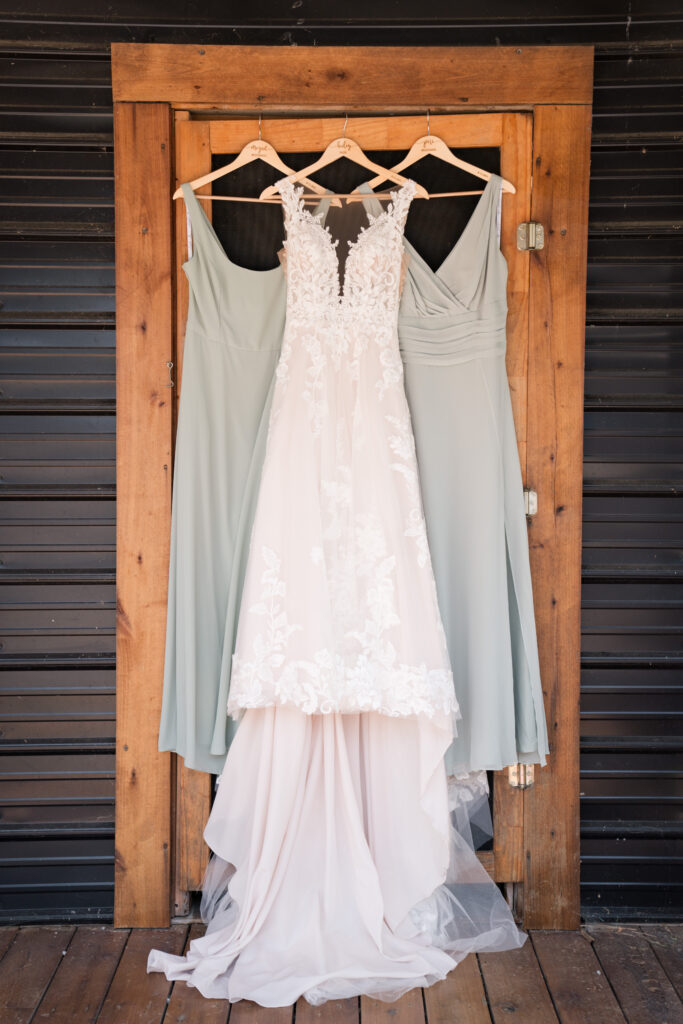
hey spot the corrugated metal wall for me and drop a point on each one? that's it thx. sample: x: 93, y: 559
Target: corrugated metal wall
x: 57, y: 403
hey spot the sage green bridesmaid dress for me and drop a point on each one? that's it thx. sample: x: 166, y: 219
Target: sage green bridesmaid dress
x: 452, y: 336
x: 453, y: 341
x: 233, y: 336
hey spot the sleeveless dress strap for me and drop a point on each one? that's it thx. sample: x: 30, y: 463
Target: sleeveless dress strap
x: 400, y: 204
x: 289, y: 193
x: 199, y: 227
x: 191, y: 214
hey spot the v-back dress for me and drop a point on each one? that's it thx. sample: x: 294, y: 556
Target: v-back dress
x: 336, y: 869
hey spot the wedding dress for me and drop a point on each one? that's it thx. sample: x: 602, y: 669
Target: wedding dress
x: 342, y: 862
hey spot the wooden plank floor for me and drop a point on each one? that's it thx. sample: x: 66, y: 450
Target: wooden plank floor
x: 606, y: 974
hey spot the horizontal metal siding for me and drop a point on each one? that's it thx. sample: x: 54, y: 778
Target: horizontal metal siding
x: 57, y: 356
x: 57, y: 696
x: 632, y: 596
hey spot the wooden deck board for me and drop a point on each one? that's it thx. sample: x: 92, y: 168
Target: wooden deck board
x: 83, y: 977
x: 136, y: 997
x: 252, y: 1013
x: 515, y: 986
x: 7, y: 936
x: 667, y: 943
x: 639, y: 981
x: 460, y: 998
x: 95, y: 974
x: 336, y: 1011
x: 407, y: 1010
x: 579, y: 989
x: 27, y: 968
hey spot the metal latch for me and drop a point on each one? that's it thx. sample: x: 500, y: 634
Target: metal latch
x: 521, y: 776
x: 530, y: 236
x: 530, y: 502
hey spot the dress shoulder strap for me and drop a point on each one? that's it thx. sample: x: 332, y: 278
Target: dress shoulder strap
x: 291, y: 204
x: 199, y: 227
x: 400, y: 203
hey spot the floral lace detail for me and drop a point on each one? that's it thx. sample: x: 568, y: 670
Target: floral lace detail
x: 325, y: 312
x: 402, y: 444
x: 339, y: 608
x: 363, y: 673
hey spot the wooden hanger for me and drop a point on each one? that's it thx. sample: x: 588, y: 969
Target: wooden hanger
x: 336, y: 150
x: 432, y: 145
x: 257, y: 149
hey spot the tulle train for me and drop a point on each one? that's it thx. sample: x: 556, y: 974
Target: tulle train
x: 337, y: 868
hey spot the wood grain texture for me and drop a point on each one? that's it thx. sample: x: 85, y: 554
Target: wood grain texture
x: 308, y: 134
x: 136, y: 997
x: 515, y: 164
x: 335, y: 1011
x: 27, y: 969
x: 351, y: 77
x: 83, y: 977
x: 246, y: 1012
x: 515, y: 987
x: 409, y: 1009
x: 142, y: 146
x: 188, y: 1004
x: 640, y: 983
x: 554, y: 471
x: 7, y: 937
x: 580, y: 990
x: 666, y: 941
x: 459, y: 998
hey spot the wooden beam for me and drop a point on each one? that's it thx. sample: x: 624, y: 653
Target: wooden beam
x: 554, y: 470
x: 515, y: 164
x: 142, y: 148
x: 193, y: 788
x: 302, y: 135
x: 347, y: 78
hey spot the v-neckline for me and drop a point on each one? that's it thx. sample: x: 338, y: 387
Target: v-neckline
x: 314, y: 218
x: 365, y: 187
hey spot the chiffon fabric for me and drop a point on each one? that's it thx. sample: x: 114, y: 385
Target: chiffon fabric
x: 341, y: 867
x: 452, y: 335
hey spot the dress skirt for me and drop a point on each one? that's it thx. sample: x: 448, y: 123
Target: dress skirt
x: 339, y: 867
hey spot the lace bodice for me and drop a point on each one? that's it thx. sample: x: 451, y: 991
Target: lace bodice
x: 370, y: 291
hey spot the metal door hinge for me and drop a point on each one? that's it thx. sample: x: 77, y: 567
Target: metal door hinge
x: 530, y: 502
x: 521, y: 776
x: 530, y: 236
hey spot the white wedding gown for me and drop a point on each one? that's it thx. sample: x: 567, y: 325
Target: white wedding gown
x: 342, y: 860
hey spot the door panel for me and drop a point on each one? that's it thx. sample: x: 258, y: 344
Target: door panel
x: 196, y: 144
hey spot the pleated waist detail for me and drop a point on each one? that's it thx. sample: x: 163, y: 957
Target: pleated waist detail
x: 454, y: 337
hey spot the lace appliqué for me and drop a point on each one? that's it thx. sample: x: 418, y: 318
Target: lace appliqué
x: 338, y: 323
x: 402, y: 444
x: 363, y: 673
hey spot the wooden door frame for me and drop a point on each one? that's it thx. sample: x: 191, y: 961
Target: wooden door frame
x: 154, y: 84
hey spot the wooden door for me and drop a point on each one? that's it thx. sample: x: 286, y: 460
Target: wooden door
x: 197, y: 145
x: 535, y: 106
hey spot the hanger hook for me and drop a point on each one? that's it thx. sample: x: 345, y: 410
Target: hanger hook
x: 346, y: 121
x: 428, y: 131
x: 259, y: 125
